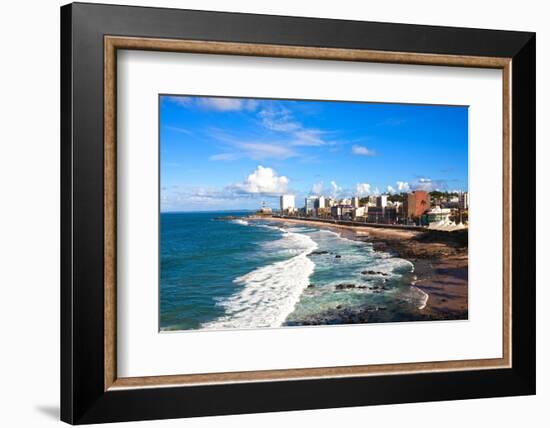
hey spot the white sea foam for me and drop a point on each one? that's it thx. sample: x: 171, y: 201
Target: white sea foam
x: 331, y: 232
x: 424, y: 297
x: 290, y: 243
x: 388, y: 264
x: 241, y: 222
x: 269, y: 293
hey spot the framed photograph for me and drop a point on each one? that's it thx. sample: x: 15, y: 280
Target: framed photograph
x: 266, y: 213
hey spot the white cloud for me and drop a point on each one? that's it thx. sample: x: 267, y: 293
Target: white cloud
x: 278, y: 119
x: 265, y: 181
x: 362, y: 150
x: 363, y: 189
x: 259, y: 151
x: 179, y: 129
x: 423, y: 183
x: 403, y: 187
x: 390, y: 190
x: 216, y: 103
x: 227, y: 104
x: 317, y: 188
x: 336, y: 190
x: 225, y: 157
x: 308, y: 137
x: 429, y: 184
x: 183, y: 101
x: 256, y: 151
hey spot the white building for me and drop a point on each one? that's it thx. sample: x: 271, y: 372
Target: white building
x: 320, y: 202
x: 463, y: 200
x: 359, y: 212
x: 309, y: 204
x: 288, y: 203
x: 438, y: 214
x: 382, y: 201
x: 355, y: 202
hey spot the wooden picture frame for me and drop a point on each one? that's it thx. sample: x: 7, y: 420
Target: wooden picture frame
x: 91, y: 390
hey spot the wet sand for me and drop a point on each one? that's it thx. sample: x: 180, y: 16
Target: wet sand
x: 440, y: 262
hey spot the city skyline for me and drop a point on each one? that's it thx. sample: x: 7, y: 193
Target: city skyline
x: 235, y: 153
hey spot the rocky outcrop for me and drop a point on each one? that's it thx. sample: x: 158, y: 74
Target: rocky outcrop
x: 374, y: 272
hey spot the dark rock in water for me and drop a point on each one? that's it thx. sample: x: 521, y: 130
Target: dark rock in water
x: 337, y: 256
x: 374, y: 272
x: 339, y: 307
x: 316, y: 253
x: 311, y: 286
x: 228, y: 217
x: 344, y: 286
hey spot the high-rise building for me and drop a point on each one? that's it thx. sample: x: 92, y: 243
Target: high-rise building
x: 416, y: 203
x: 288, y: 203
x: 382, y: 201
x: 463, y: 200
x: 355, y: 202
x: 320, y: 202
x: 310, y: 204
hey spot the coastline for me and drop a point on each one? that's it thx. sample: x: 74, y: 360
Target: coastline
x: 440, y: 263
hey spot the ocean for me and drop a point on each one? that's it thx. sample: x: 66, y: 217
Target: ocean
x: 243, y: 273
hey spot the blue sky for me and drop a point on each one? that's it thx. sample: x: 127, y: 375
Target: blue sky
x: 234, y: 153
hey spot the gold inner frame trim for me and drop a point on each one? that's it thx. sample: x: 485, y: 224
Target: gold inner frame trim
x: 113, y: 43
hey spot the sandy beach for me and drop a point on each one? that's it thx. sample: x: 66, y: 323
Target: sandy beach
x: 440, y: 263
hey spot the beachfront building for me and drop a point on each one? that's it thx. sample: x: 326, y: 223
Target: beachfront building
x: 264, y: 210
x: 287, y: 204
x: 463, y: 200
x: 342, y: 211
x: 309, y: 205
x: 382, y: 201
x: 391, y: 214
x: 323, y: 212
x: 345, y: 201
x: 452, y: 202
x: 416, y: 204
x: 397, y: 205
x: 319, y: 203
x: 375, y: 214
x: 359, y: 212
x: 437, y: 214
x: 355, y: 202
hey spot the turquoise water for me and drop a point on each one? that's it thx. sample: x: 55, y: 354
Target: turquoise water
x: 250, y: 274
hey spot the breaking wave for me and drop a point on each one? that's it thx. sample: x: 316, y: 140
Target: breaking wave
x: 270, y: 293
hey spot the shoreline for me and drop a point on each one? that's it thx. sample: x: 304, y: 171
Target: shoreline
x: 440, y: 263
